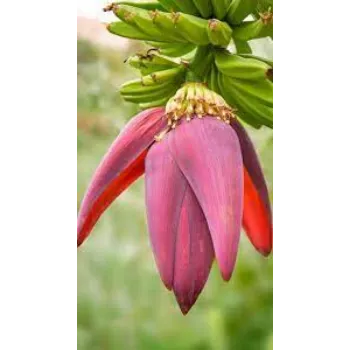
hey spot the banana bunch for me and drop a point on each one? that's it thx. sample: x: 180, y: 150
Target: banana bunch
x: 188, y: 40
x: 245, y: 83
x: 169, y: 27
x: 155, y: 88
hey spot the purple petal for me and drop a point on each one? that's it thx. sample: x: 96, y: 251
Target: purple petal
x: 209, y: 155
x: 194, y: 253
x: 179, y: 233
x: 165, y: 192
x: 122, y: 165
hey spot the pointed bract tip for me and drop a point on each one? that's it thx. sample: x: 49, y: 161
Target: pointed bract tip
x: 185, y: 305
x: 185, y: 309
x: 79, y: 242
x: 226, y: 275
x: 167, y: 284
x: 264, y: 252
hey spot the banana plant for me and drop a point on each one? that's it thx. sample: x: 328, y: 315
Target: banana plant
x: 204, y: 181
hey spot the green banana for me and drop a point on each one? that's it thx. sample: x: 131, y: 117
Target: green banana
x: 248, y: 107
x: 239, y: 10
x: 127, y: 31
x: 262, y: 59
x: 253, y: 30
x: 163, y: 76
x: 147, y: 97
x: 206, y: 78
x: 144, y: 98
x: 142, y: 20
x: 242, y: 47
x: 165, y: 23
x: 157, y: 103
x: 149, y: 5
x: 219, y: 33
x: 173, y: 50
x: 205, y: 8
x: 261, y: 89
x: 202, y: 32
x: 228, y: 93
x: 236, y: 66
x: 170, y: 5
x: 187, y: 6
x: 220, y: 8
x: 194, y: 29
x: 225, y: 89
x: 213, y: 79
x: 153, y: 82
x: 151, y: 89
x: 151, y: 63
x: 136, y: 87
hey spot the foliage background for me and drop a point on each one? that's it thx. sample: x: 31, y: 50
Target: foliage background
x: 121, y: 301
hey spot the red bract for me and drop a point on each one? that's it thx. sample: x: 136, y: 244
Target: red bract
x: 203, y: 181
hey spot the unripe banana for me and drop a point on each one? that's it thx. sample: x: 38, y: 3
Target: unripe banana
x: 127, y: 31
x: 165, y: 23
x: 157, y: 103
x: 192, y: 28
x: 253, y: 30
x: 253, y: 109
x: 163, y: 76
x: 236, y: 66
x: 146, y: 97
x: 142, y: 21
x: 173, y: 50
x: 227, y: 92
x: 262, y: 59
x: 151, y: 63
x: 261, y: 90
x: 219, y: 33
x: 153, y: 82
x: 137, y: 92
x: 170, y: 5
x: 206, y: 78
x: 242, y: 47
x: 149, y: 5
x: 136, y: 87
x: 204, y: 7
x: 239, y: 10
x: 220, y: 8
x: 187, y: 6
x: 202, y: 32
x: 213, y: 79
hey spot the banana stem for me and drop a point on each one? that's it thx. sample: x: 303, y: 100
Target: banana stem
x: 242, y: 47
x: 191, y: 77
x: 201, y: 62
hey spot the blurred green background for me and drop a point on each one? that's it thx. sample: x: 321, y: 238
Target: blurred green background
x: 121, y: 301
